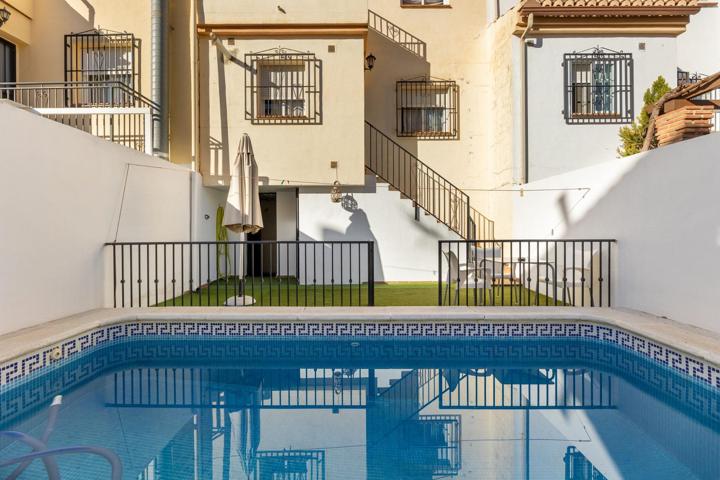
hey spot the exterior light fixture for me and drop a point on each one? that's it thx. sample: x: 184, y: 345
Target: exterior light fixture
x: 4, y: 15
x: 335, y: 193
x: 369, y: 62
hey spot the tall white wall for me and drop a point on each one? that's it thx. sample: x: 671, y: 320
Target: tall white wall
x: 554, y: 147
x: 697, y: 48
x: 661, y: 206
x: 64, y: 193
x: 405, y: 249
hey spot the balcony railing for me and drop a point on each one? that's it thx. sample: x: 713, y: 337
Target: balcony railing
x: 526, y: 272
x: 237, y: 274
x: 109, y: 110
x: 713, y: 96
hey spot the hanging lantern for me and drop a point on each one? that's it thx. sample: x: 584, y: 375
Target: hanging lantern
x: 335, y: 193
x: 4, y: 16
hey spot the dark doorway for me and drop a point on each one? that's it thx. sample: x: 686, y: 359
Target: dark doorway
x: 7, y: 67
x: 262, y: 260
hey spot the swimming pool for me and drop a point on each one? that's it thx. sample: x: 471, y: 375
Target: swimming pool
x: 358, y: 406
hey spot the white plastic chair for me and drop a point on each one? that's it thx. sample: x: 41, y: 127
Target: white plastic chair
x: 461, y: 274
x: 575, y: 269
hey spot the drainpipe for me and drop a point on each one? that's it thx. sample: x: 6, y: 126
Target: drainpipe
x: 159, y: 73
x: 525, y: 128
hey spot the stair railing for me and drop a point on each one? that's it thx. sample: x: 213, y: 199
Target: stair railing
x: 429, y: 190
x: 396, y: 34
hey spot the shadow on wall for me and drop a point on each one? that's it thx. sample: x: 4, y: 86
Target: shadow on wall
x: 380, y: 85
x: 662, y: 209
x: 358, y: 230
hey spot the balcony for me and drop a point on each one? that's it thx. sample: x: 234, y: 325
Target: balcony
x: 109, y: 110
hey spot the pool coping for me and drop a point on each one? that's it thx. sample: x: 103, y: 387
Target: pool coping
x: 690, y: 340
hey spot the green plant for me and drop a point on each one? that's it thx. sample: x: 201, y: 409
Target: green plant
x: 633, y: 136
x: 221, y: 235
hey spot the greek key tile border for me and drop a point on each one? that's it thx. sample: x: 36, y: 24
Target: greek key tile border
x: 34, y: 363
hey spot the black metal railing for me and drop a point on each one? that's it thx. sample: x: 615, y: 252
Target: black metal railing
x: 334, y: 388
x: 527, y: 388
x: 429, y: 190
x: 110, y: 110
x: 688, y: 78
x: 262, y: 273
x: 526, y: 272
x: 396, y: 34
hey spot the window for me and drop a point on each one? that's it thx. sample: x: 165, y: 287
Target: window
x: 281, y: 90
x: 282, y: 87
x: 427, y: 108
x: 598, y: 87
x: 424, y: 3
x: 7, y: 61
x: 106, y: 63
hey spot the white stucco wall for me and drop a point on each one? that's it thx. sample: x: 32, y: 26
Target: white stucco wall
x: 405, y: 249
x: 663, y: 210
x: 697, y: 48
x: 555, y: 147
x: 64, y: 193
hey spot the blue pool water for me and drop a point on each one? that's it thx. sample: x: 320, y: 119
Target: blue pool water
x: 283, y: 409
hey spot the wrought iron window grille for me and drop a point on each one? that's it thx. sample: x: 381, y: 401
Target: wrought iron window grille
x: 105, y: 59
x: 427, y: 108
x: 598, y: 87
x: 283, y: 86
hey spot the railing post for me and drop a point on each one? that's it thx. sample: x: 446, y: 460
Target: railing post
x: 439, y: 255
x: 149, y: 140
x: 469, y: 234
x: 371, y: 274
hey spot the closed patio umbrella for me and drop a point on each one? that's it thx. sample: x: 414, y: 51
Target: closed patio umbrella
x: 242, y: 209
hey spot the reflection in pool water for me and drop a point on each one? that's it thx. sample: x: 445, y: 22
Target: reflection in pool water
x: 405, y: 409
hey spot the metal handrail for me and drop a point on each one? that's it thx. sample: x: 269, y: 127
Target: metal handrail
x: 42, y: 90
x: 396, y: 34
x: 432, y: 192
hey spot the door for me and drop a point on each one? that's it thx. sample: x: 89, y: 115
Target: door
x: 262, y: 260
x: 7, y: 68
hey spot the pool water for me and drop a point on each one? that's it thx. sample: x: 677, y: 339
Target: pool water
x: 283, y: 409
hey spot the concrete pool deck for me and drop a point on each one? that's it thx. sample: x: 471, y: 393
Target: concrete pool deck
x: 699, y: 343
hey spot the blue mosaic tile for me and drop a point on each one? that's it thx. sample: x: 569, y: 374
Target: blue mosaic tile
x: 34, y: 362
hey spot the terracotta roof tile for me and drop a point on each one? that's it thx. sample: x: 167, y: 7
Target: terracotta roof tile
x: 616, y: 3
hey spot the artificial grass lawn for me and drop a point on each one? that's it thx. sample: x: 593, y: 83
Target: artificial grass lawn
x: 284, y: 291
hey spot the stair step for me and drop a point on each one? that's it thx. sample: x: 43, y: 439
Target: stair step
x: 403, y: 196
x: 392, y: 189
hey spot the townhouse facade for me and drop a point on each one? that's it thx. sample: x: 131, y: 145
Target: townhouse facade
x: 398, y: 121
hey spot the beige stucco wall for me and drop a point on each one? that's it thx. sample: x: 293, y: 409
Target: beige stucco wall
x: 18, y: 28
x: 502, y: 117
x: 43, y: 58
x: 455, y: 39
x: 293, y: 11
x: 286, y: 154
